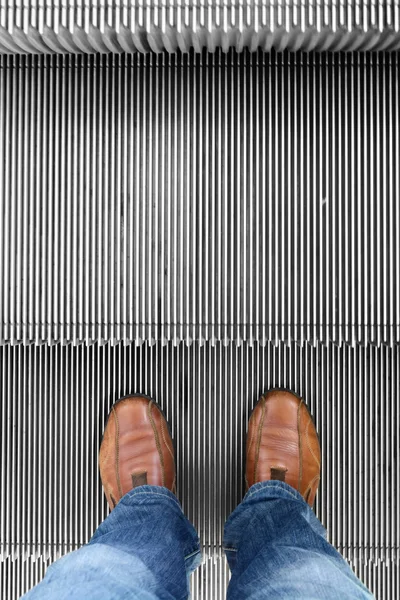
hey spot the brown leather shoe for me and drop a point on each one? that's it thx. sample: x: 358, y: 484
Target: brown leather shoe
x: 282, y: 444
x: 136, y: 448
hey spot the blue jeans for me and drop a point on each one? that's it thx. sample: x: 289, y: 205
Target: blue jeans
x: 146, y: 549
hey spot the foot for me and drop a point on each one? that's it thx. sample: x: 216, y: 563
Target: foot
x: 136, y: 448
x: 282, y: 444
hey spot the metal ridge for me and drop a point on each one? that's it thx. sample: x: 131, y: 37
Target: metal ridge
x: 67, y: 26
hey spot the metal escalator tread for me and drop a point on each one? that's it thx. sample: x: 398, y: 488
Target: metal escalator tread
x: 78, y: 27
x: 199, y: 228
x: 244, y: 197
x: 56, y: 399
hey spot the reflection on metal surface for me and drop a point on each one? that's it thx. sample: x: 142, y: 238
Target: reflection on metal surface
x: 203, y: 197
x: 56, y: 400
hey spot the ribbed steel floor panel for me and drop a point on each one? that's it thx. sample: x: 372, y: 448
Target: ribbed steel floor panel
x: 200, y: 197
x: 56, y: 399
x: 173, y: 225
x: 48, y: 26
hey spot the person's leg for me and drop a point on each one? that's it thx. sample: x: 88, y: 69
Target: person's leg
x: 146, y: 548
x: 276, y: 548
x: 275, y: 545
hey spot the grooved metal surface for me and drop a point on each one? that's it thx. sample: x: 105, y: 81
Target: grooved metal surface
x: 200, y: 197
x: 56, y: 400
x: 75, y: 26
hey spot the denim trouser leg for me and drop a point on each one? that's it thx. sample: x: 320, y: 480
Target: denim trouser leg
x: 277, y: 548
x: 145, y: 549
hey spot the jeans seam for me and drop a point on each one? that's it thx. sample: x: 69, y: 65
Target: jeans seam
x: 250, y: 494
x: 192, y: 554
x: 131, y: 495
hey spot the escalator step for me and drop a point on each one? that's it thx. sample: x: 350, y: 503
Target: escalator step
x: 55, y: 400
x: 151, y: 25
x: 204, y: 197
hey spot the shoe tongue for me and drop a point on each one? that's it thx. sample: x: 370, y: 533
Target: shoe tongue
x: 139, y: 479
x: 278, y: 473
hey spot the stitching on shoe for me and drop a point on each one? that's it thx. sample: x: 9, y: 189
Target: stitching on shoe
x: 300, y: 447
x: 112, y: 499
x: 249, y: 448
x: 308, y: 490
x: 309, y: 446
x: 157, y: 440
x: 105, y: 453
x: 117, y: 451
x: 163, y: 437
x: 169, y: 450
x: 252, y: 435
x: 259, y: 438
